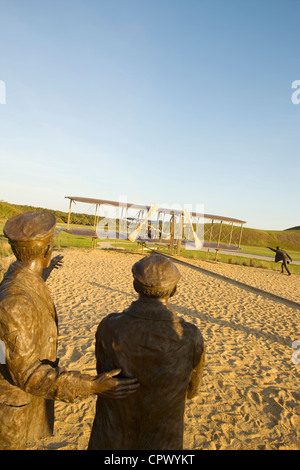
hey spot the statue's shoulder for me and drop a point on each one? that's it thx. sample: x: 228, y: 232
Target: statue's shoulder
x: 192, y: 330
x: 110, y: 320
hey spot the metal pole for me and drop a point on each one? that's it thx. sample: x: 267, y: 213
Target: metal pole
x: 231, y: 234
x: 171, y: 235
x: 219, y: 238
x: 211, y: 229
x: 179, y: 239
x: 210, y: 236
x: 95, y: 219
x: 69, y: 216
x: 240, y: 236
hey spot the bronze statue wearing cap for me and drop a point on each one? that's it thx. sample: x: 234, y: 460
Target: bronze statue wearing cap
x: 166, y: 354
x: 30, y: 378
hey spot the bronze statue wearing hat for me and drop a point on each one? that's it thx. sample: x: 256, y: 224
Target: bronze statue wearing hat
x: 30, y: 378
x: 151, y: 342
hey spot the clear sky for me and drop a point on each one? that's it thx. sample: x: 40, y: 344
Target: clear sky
x: 169, y: 101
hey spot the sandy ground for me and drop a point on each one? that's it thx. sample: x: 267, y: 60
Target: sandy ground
x: 249, y: 393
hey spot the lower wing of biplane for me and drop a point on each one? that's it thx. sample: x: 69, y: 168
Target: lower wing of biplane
x: 156, y: 226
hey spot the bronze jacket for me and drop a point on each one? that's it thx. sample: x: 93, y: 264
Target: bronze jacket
x: 30, y: 378
x: 166, y: 354
x: 281, y: 255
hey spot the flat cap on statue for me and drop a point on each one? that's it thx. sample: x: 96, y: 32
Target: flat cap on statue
x: 30, y: 227
x: 156, y: 271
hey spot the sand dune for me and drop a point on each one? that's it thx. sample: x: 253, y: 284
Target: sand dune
x: 249, y: 394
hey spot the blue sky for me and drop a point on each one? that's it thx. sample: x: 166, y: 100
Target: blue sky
x: 169, y: 101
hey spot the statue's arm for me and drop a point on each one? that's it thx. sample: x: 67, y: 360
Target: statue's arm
x: 31, y: 364
x: 27, y: 360
x: 196, y: 375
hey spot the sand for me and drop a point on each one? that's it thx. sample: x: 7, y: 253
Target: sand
x: 249, y: 394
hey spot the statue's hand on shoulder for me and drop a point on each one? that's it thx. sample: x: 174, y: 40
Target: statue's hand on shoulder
x: 107, y: 385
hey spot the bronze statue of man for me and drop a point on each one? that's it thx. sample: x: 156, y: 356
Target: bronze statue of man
x: 30, y: 378
x: 283, y: 256
x: 166, y: 354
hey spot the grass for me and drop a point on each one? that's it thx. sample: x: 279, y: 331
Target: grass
x: 255, y: 242
x: 223, y: 258
x: 288, y: 239
x: 5, y: 249
x: 263, y: 251
x: 64, y: 240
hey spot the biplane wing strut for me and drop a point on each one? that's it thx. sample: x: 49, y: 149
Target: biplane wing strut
x: 132, y: 237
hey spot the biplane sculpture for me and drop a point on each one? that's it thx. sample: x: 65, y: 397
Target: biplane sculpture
x: 157, y: 226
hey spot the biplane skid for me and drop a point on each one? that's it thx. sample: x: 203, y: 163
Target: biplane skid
x: 210, y: 245
x: 189, y: 244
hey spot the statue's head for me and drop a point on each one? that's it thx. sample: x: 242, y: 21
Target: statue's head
x: 155, y: 276
x: 31, y: 234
